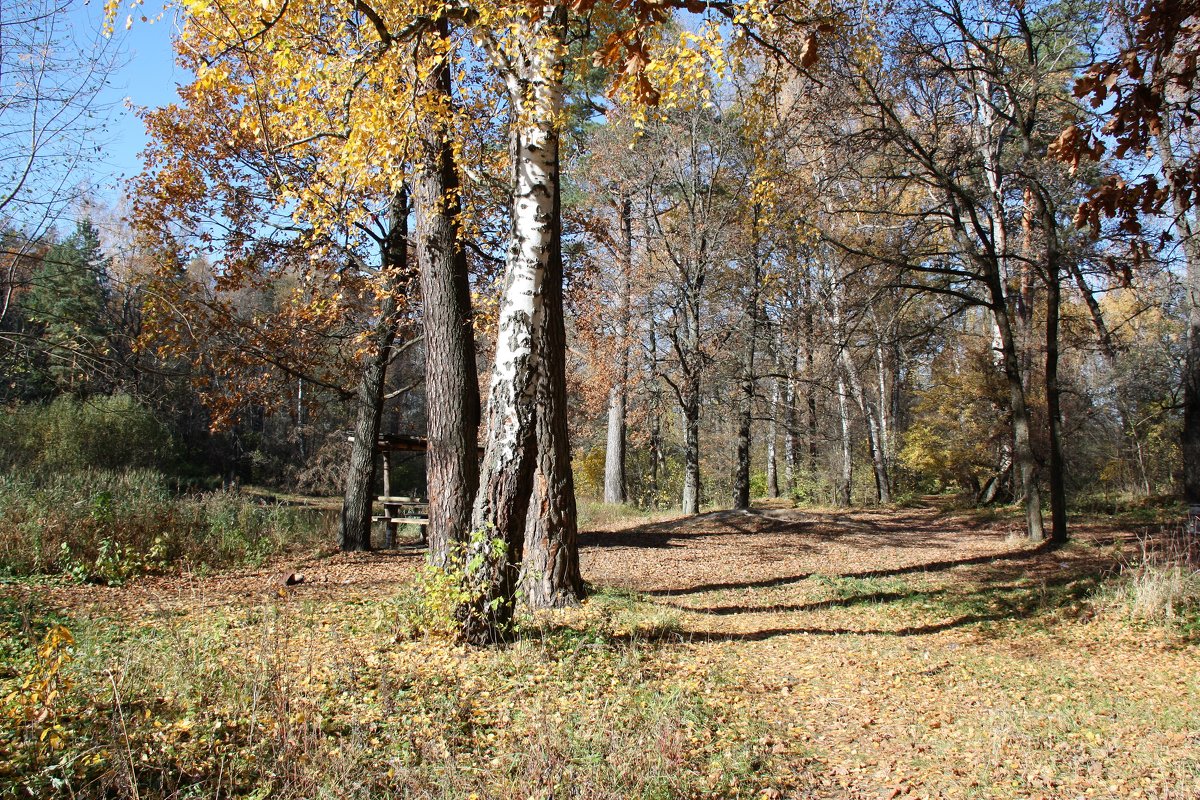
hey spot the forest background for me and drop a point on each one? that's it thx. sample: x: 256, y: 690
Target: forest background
x: 842, y: 256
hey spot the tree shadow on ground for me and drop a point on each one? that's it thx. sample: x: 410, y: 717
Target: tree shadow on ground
x: 926, y: 566
x: 1039, y: 585
x: 1004, y: 596
x: 1036, y: 585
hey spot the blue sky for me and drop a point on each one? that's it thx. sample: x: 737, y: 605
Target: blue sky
x: 147, y: 78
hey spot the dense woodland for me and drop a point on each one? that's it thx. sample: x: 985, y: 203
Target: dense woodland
x: 837, y: 257
x: 846, y: 256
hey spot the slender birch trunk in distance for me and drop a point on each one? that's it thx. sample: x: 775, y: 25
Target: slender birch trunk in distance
x: 614, y: 449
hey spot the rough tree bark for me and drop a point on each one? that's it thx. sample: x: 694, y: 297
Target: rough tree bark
x: 842, y: 492
x: 656, y: 405
x: 690, y: 402
x: 1023, y: 456
x: 773, y: 423
x: 1185, y: 230
x: 451, y: 381
x: 550, y: 569
x: 533, y: 75
x: 1053, y: 270
x: 869, y: 412
x: 614, y: 451
x: 354, y: 527
x: 874, y: 440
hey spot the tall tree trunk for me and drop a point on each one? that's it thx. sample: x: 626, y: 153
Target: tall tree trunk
x: 550, y: 569
x: 842, y: 492
x: 882, y: 492
x: 614, y: 450
x: 741, y: 477
x: 878, y: 459
x: 1023, y: 456
x: 791, y: 436
x: 506, y: 473
x: 1185, y: 230
x: 691, y: 445
x: 656, y: 405
x: 773, y: 423
x: 1057, y: 477
x: 451, y: 381
x: 1058, y: 491
x: 354, y: 528
x: 810, y: 388
x: 885, y: 426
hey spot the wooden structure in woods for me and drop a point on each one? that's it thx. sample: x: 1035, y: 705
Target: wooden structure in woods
x: 399, y: 509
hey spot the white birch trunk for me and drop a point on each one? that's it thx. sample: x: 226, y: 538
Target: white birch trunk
x: 533, y: 72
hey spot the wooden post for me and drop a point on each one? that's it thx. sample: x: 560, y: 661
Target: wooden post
x: 389, y: 526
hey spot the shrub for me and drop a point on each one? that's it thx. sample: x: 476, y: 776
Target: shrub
x: 1162, y: 584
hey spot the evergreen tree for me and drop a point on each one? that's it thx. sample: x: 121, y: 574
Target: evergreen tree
x: 68, y: 300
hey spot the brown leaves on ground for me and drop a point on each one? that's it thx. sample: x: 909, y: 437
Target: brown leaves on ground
x: 886, y: 653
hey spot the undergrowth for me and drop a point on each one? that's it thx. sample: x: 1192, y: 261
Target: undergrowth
x: 109, y: 526
x: 1160, y: 583
x: 322, y: 702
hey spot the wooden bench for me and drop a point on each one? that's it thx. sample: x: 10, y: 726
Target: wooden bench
x: 399, y: 511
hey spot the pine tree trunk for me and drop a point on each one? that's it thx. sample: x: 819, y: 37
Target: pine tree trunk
x: 451, y: 381
x: 550, y: 569
x: 354, y: 528
x: 614, y: 451
x: 506, y: 473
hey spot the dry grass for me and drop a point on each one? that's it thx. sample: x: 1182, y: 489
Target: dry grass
x: 1161, y: 582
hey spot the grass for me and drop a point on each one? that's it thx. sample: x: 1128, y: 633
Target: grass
x: 321, y: 701
x: 109, y: 526
x: 1161, y: 582
x: 596, y: 516
x: 991, y: 680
